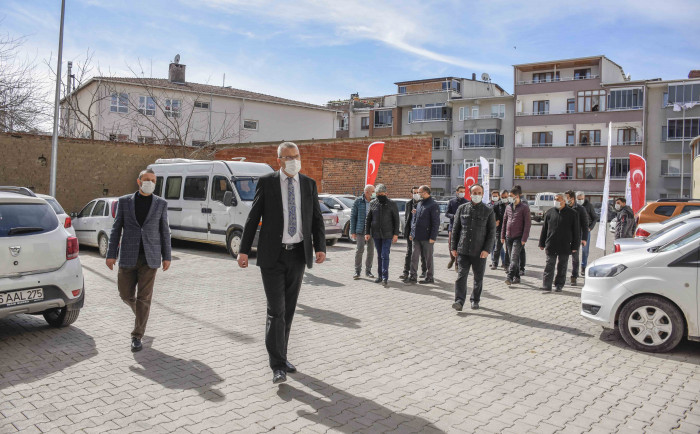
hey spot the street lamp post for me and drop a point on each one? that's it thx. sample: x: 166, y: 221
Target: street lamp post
x: 57, y: 102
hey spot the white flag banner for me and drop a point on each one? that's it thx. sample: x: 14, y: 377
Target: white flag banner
x: 628, y: 190
x: 603, y: 226
x: 485, y: 177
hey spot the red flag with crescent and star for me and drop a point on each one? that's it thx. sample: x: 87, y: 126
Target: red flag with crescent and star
x: 471, y: 175
x: 374, y: 156
x: 638, y: 181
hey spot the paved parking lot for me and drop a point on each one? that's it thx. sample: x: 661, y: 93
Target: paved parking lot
x: 370, y: 359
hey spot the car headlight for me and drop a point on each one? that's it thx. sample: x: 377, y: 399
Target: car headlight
x: 608, y: 270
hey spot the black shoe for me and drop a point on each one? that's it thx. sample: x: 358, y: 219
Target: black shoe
x: 546, y: 289
x: 516, y: 281
x: 278, y: 376
x: 356, y: 276
x: 522, y: 272
x: 403, y: 277
x: 558, y: 289
x: 290, y: 368
x: 411, y: 280
x: 451, y: 263
x: 422, y: 276
x: 504, y: 266
x: 385, y: 282
x: 457, y: 305
x: 509, y: 282
x: 494, y: 267
x: 377, y: 280
x: 573, y: 281
x: 136, y: 345
x: 426, y: 280
x: 583, y: 271
x: 475, y: 305
x: 369, y: 274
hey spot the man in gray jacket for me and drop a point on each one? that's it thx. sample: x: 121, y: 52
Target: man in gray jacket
x: 141, y: 238
x: 358, y: 216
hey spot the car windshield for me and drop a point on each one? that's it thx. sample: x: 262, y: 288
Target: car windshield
x: 688, y: 238
x: 401, y: 204
x: 18, y: 219
x: 55, y: 205
x: 346, y: 201
x: 245, y: 187
x: 663, y: 232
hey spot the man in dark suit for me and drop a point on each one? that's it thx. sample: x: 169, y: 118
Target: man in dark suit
x: 141, y: 237
x: 292, y: 228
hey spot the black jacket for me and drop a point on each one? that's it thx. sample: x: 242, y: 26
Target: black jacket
x: 426, y: 223
x: 582, y: 219
x: 592, y: 216
x: 452, y: 206
x: 267, y: 204
x: 561, y: 233
x: 474, y: 229
x: 408, y: 216
x: 383, y: 219
x: 498, y: 212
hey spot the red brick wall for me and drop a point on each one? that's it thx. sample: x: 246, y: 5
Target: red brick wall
x: 338, y: 165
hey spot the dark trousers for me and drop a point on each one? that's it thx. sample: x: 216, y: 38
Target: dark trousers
x: 282, y: 283
x: 128, y: 280
x: 409, y: 253
x: 584, y: 252
x: 516, y: 257
x: 479, y: 266
x: 383, y: 246
x: 561, y: 261
x: 575, y: 263
x: 497, y: 251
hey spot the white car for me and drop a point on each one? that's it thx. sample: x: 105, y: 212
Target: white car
x: 660, y: 238
x: 65, y: 219
x: 444, y: 221
x: 93, y: 223
x: 40, y: 271
x: 646, y: 229
x: 342, y: 205
x: 651, y: 297
x: 401, y: 205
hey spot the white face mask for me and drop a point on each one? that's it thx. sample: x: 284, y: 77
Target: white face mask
x: 557, y: 204
x: 476, y: 198
x: 416, y: 197
x: 496, y: 200
x: 511, y: 199
x: 460, y: 195
x: 617, y: 207
x: 292, y: 167
x: 580, y: 201
x: 148, y: 187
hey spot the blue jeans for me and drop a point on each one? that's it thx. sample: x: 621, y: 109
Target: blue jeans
x: 584, y: 251
x: 383, y: 246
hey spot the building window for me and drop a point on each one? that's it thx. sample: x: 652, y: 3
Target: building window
x: 589, y: 137
x: 538, y: 171
x: 544, y: 77
x: 461, y: 112
x: 540, y: 107
x: 402, y: 89
x: 249, y: 124
x: 627, y: 136
x: 431, y: 113
x: 571, y: 138
x: 172, y: 142
x: 591, y: 101
x: 677, y: 130
x: 498, y: 111
x: 118, y: 137
x: 571, y: 105
x: 119, y: 103
x: 590, y: 168
x: 682, y: 93
x: 364, y: 123
x: 665, y: 100
x: 451, y: 85
x: 436, y: 143
x: 199, y: 143
x: 441, y: 143
x: 671, y: 167
x: 619, y: 167
x: 147, y: 105
x: 495, y: 167
x: 475, y: 112
x: 581, y: 74
x: 172, y: 108
x: 201, y: 104
x: 482, y: 139
x: 542, y: 138
x: 343, y: 124
x: 439, y: 169
x: 149, y: 140
x: 382, y: 118
x: 625, y: 99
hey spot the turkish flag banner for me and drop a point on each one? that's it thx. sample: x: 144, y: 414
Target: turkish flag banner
x: 638, y: 181
x: 471, y: 174
x: 374, y: 157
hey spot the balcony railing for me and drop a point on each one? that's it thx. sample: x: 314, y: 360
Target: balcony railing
x: 491, y: 116
x: 481, y: 146
x: 548, y: 112
x: 564, y: 145
x: 544, y: 177
x: 554, y: 79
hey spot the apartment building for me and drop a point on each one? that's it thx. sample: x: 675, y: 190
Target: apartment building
x: 353, y: 115
x: 174, y: 111
x: 562, y: 112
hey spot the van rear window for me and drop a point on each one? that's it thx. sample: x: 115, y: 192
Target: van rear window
x: 172, y: 187
x: 26, y: 219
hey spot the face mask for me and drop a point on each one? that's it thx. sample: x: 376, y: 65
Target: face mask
x: 374, y: 195
x: 496, y: 200
x: 382, y: 199
x: 557, y: 204
x: 580, y: 201
x: 476, y: 198
x: 460, y: 195
x: 511, y: 199
x: 416, y: 197
x: 148, y: 187
x: 617, y: 207
x: 292, y: 167
x: 571, y: 202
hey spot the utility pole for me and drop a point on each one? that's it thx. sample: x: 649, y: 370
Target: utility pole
x: 57, y: 102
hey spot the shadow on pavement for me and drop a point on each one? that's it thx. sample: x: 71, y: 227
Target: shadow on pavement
x: 313, y: 280
x: 529, y: 322
x: 175, y: 373
x: 231, y: 334
x: 336, y: 401
x: 31, y: 350
x: 686, y: 351
x: 324, y: 316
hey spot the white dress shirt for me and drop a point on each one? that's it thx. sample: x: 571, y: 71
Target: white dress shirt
x: 284, y: 184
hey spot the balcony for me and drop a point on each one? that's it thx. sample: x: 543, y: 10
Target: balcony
x: 565, y: 84
x: 555, y: 183
x: 488, y: 122
x: 525, y: 119
x: 431, y: 97
x: 561, y: 150
x: 443, y: 126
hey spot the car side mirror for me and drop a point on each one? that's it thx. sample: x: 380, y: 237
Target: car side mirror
x: 338, y: 206
x: 229, y: 199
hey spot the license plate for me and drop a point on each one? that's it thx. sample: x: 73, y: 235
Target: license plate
x: 328, y: 221
x: 21, y: 297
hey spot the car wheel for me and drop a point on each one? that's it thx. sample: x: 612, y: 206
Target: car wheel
x: 346, y: 230
x: 61, y: 317
x: 103, y: 244
x: 651, y: 324
x: 233, y: 243
x: 331, y: 242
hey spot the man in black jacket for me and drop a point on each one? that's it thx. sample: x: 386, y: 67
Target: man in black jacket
x: 583, y: 224
x: 473, y: 235
x: 452, y: 206
x: 424, y: 230
x: 411, y: 206
x: 383, y: 226
x: 499, y: 209
x: 561, y: 236
x: 292, y: 228
x: 592, y: 219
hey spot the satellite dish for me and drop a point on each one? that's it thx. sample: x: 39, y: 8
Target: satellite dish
x: 177, y: 59
x: 485, y: 77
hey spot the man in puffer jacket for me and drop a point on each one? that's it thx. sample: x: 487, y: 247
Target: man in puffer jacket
x: 358, y: 216
x: 383, y: 225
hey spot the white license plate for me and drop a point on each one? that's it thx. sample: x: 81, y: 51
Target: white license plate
x: 21, y: 297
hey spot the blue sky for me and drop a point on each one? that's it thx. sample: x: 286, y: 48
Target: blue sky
x: 315, y: 51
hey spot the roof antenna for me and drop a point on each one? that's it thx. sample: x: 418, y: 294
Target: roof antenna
x: 223, y: 83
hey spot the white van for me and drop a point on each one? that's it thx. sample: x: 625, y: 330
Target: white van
x: 208, y: 201
x: 542, y: 203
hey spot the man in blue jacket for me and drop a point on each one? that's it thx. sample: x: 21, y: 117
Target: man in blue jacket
x: 424, y: 231
x: 360, y: 209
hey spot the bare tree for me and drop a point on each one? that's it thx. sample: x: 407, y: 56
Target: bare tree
x: 24, y: 102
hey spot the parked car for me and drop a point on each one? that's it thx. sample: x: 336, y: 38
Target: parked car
x: 646, y: 229
x: 542, y: 203
x: 651, y: 297
x: 444, y: 221
x: 401, y: 205
x: 93, y: 223
x: 64, y: 218
x: 611, y: 209
x: 342, y: 204
x: 660, y: 238
x: 332, y: 224
x: 663, y: 209
x: 40, y: 271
